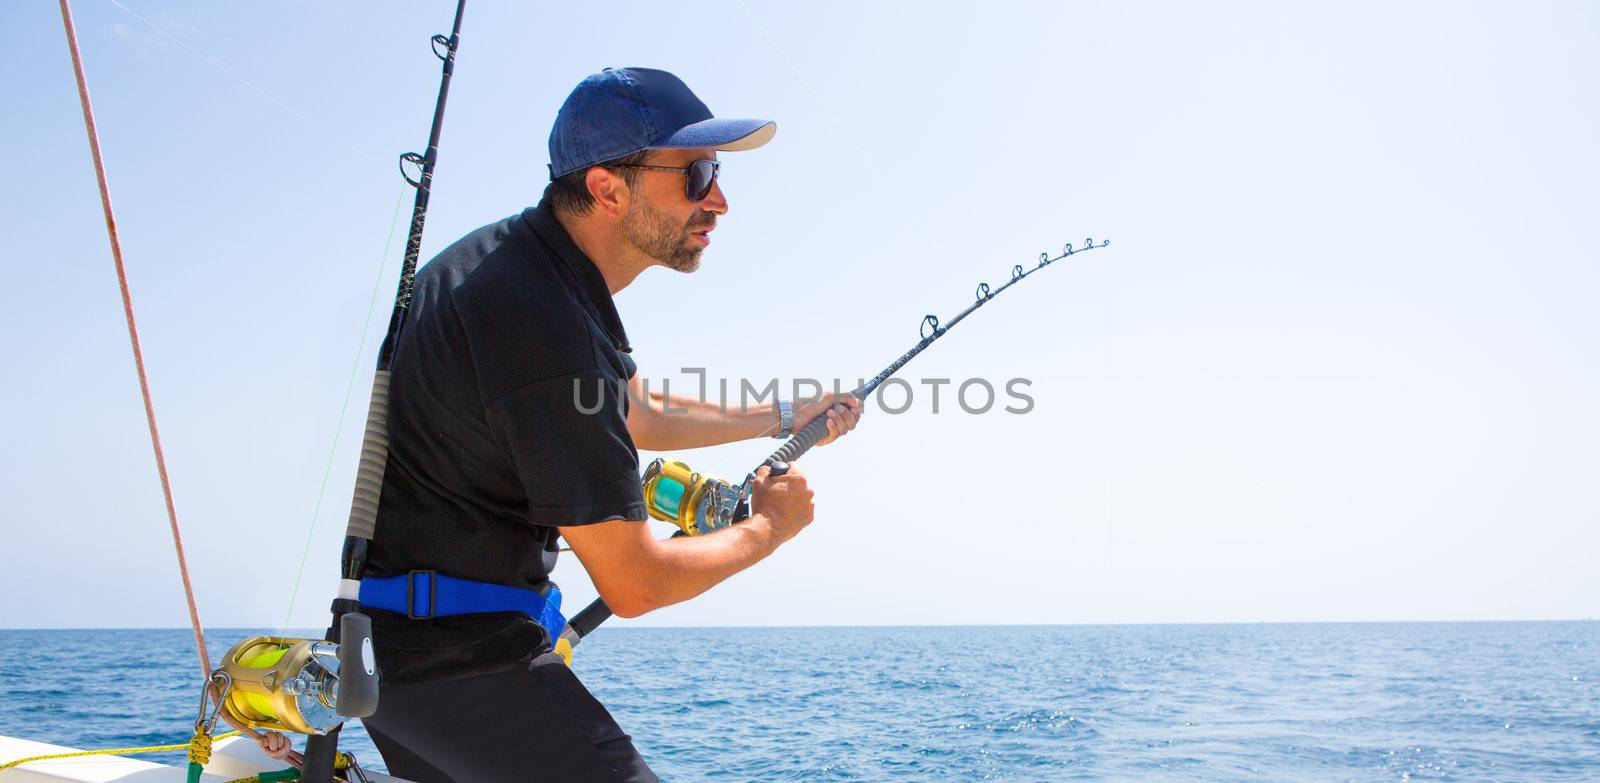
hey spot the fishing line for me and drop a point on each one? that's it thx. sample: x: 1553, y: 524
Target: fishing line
x: 789, y: 61
x: 213, y: 62
x: 338, y: 429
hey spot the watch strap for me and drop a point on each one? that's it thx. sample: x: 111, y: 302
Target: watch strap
x: 785, y: 419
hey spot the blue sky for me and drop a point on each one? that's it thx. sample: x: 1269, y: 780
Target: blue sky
x: 1336, y: 365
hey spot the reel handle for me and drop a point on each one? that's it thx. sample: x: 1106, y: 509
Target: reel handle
x: 741, y: 512
x: 358, y: 671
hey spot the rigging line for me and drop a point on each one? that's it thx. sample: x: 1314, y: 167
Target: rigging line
x: 355, y: 368
x: 138, y: 357
x: 213, y: 62
x: 133, y: 333
x: 789, y: 61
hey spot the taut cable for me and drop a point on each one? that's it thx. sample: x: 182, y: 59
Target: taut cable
x: 138, y: 359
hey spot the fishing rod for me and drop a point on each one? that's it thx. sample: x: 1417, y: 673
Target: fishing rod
x: 375, y: 442
x: 311, y: 687
x: 699, y: 504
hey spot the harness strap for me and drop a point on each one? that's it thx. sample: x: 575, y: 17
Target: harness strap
x: 421, y: 595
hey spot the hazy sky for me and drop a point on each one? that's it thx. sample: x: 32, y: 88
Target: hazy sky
x: 1337, y: 363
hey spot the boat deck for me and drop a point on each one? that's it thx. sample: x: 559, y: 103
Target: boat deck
x: 231, y: 758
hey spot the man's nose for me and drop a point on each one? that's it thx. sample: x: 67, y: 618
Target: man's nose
x: 715, y: 202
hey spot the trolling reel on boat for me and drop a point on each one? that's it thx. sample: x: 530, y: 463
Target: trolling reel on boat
x: 292, y: 685
x: 295, y: 685
x: 696, y: 503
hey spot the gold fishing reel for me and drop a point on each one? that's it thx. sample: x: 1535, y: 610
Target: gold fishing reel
x: 282, y: 684
x: 696, y: 503
x: 305, y: 686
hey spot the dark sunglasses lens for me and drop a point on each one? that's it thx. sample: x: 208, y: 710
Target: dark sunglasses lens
x: 701, y: 174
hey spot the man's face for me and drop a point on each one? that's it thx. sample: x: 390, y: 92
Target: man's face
x: 662, y: 222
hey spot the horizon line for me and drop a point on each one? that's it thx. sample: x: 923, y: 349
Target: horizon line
x: 903, y: 625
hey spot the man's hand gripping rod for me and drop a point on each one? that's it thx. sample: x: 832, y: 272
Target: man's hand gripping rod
x: 728, y: 505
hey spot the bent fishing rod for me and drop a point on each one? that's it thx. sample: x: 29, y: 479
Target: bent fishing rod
x: 700, y: 504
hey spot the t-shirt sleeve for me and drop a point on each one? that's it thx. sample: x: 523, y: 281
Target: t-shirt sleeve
x: 568, y: 441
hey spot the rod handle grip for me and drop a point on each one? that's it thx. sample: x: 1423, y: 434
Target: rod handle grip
x: 584, y: 622
x: 801, y: 443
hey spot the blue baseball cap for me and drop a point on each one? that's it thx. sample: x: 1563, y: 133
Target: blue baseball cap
x: 620, y: 111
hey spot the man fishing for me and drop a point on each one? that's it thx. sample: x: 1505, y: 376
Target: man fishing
x: 511, y: 427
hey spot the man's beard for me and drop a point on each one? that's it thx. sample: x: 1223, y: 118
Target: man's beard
x: 655, y: 235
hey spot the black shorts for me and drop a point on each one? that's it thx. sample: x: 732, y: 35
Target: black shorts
x: 526, y: 724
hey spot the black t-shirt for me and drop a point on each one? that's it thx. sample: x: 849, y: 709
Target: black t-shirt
x: 507, y: 417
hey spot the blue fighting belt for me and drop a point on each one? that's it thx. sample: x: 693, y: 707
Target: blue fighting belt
x: 421, y: 595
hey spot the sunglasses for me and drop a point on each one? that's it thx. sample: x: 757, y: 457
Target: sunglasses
x: 702, y: 174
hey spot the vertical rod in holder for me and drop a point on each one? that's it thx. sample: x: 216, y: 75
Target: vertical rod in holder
x: 358, y: 691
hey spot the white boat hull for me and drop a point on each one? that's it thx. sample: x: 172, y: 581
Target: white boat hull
x: 231, y: 758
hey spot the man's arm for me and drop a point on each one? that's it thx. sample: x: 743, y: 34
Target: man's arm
x: 636, y: 573
x: 692, y: 423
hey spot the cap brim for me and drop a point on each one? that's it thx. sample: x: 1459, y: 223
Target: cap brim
x: 721, y: 134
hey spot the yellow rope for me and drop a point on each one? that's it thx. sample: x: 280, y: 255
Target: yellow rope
x: 113, y: 751
x: 200, y: 747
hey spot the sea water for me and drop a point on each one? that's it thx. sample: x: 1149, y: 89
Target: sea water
x: 1411, y: 701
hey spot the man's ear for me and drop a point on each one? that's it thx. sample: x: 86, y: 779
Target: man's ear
x: 609, y: 190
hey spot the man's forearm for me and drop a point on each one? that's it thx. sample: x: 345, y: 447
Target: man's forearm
x: 670, y: 571
x: 691, y: 565
x: 673, y: 422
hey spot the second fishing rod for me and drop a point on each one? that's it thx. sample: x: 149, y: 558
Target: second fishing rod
x: 699, y: 503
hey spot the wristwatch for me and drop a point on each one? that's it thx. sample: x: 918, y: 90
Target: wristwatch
x: 785, y: 419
